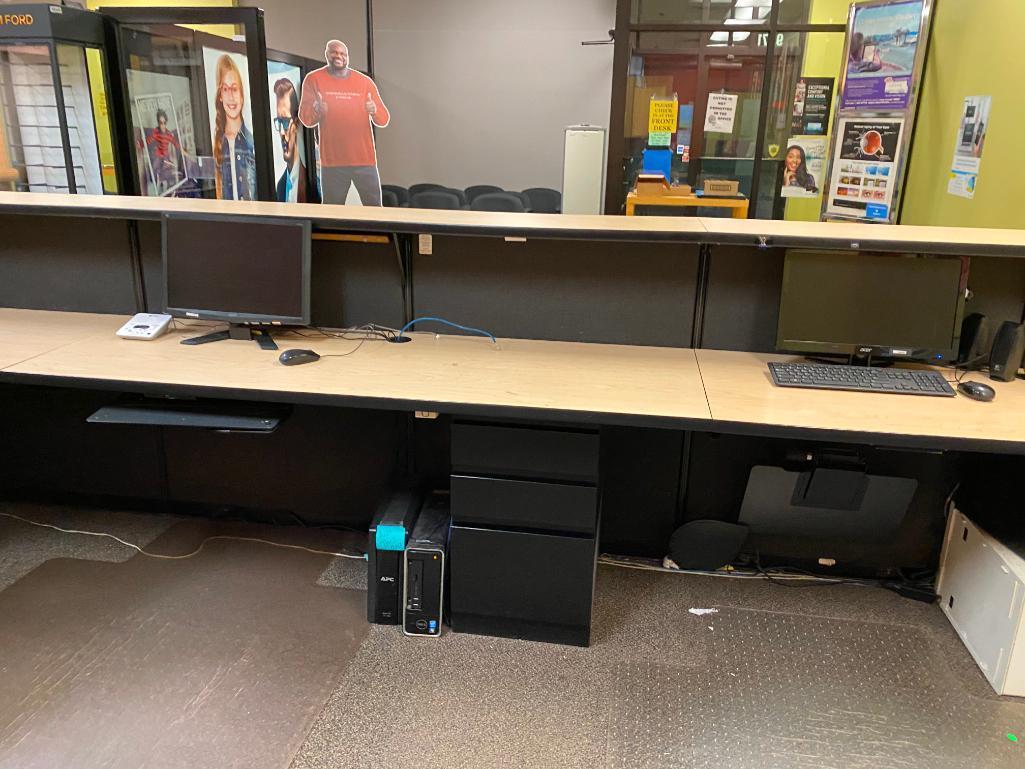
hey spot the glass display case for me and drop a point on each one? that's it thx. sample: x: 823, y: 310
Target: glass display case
x: 56, y: 130
x: 196, y: 104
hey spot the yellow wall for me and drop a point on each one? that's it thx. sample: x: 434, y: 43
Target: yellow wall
x: 823, y: 52
x: 975, y: 51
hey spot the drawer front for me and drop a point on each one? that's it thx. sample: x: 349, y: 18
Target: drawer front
x: 521, y: 584
x: 524, y: 504
x: 524, y: 452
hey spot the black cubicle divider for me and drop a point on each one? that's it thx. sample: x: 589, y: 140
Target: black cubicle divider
x: 598, y: 291
x: 73, y: 264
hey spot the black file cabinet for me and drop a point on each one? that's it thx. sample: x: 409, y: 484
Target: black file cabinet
x: 525, y: 508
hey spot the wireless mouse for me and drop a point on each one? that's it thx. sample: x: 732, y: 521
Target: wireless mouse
x: 977, y: 391
x: 295, y: 357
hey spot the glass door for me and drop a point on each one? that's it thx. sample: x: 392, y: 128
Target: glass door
x: 733, y: 82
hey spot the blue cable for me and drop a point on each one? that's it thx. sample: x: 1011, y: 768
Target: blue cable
x: 481, y: 332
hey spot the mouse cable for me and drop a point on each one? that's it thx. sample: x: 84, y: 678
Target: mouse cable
x: 141, y: 551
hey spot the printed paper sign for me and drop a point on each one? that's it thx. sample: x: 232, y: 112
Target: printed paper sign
x: 865, y: 163
x: 662, y: 115
x: 971, y: 137
x: 659, y: 139
x: 720, y: 112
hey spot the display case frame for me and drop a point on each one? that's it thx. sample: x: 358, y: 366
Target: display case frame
x: 52, y: 27
x: 252, y: 22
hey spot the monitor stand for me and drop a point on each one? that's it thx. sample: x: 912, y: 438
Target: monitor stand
x: 236, y: 331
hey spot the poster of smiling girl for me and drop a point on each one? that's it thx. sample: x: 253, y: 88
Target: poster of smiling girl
x: 231, y: 121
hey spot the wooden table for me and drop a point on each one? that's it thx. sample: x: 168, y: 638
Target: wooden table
x: 739, y: 205
x: 740, y: 391
x: 455, y: 374
x: 708, y: 390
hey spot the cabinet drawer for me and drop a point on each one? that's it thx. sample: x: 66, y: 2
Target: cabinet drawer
x: 524, y: 504
x: 524, y: 452
x: 521, y: 585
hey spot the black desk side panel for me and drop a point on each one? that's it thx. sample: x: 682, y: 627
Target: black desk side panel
x: 573, y: 291
x: 70, y: 264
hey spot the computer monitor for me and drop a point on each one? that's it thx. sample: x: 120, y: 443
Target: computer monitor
x: 237, y: 269
x: 872, y: 305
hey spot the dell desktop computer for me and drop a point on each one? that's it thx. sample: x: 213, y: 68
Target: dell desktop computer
x: 424, y: 570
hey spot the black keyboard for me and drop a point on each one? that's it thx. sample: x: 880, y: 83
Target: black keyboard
x: 860, y: 378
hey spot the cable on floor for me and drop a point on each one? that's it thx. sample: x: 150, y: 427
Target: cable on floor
x: 141, y: 551
x: 730, y: 572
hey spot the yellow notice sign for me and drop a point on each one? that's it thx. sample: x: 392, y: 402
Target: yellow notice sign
x: 662, y: 115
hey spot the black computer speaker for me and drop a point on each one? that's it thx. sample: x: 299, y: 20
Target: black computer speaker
x: 1008, y: 350
x: 706, y: 545
x: 976, y: 336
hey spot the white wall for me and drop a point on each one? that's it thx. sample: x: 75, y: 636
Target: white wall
x: 480, y: 91
x: 303, y: 27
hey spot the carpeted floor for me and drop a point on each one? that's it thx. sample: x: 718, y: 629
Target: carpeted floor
x: 779, y: 677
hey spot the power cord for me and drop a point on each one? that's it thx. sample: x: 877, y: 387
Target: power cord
x: 141, y: 551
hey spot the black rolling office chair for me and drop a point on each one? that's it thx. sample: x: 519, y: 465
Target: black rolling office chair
x: 400, y: 193
x: 472, y: 193
x: 544, y: 200
x: 443, y: 199
x: 415, y: 189
x: 389, y: 199
x: 499, y: 201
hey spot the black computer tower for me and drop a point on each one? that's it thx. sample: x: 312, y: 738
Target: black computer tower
x: 389, y: 532
x: 423, y: 601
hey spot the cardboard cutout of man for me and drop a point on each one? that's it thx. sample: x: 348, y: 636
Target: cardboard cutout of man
x: 291, y: 187
x: 343, y: 104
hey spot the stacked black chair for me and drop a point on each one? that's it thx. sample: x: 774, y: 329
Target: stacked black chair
x: 544, y: 200
x: 458, y: 193
x: 401, y: 193
x: 415, y: 189
x: 499, y: 201
x: 389, y: 199
x: 438, y: 198
x: 480, y: 189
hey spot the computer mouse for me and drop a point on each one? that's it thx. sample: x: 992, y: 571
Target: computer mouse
x: 977, y: 391
x: 295, y: 357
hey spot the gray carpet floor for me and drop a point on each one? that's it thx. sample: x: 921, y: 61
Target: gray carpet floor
x: 778, y: 677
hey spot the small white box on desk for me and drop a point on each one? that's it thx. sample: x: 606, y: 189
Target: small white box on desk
x: 145, y: 326
x: 981, y: 586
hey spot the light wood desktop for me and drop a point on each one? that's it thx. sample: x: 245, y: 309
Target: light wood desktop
x: 711, y: 389
x: 446, y: 369
x: 740, y: 389
x: 27, y: 333
x: 738, y: 206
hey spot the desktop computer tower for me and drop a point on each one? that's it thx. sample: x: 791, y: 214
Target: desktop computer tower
x: 423, y: 598
x: 389, y: 532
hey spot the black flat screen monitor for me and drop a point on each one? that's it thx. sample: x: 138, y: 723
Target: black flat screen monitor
x: 870, y: 305
x: 237, y: 269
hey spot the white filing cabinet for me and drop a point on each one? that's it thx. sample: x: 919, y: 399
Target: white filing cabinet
x: 981, y: 586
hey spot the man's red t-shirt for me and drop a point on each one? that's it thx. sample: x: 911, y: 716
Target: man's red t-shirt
x: 345, y: 135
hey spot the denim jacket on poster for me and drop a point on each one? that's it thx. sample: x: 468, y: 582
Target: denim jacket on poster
x: 245, y: 167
